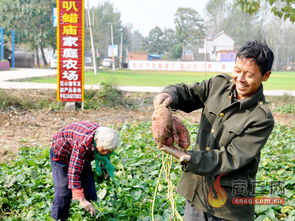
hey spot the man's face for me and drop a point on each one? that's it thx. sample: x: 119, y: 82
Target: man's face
x: 103, y: 151
x: 247, y: 77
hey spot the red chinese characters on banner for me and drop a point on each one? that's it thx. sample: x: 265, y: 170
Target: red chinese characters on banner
x: 70, y: 45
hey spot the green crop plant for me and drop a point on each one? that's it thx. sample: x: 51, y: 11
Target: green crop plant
x: 26, y: 186
x: 286, y: 109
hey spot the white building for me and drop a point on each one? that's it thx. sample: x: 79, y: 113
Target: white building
x: 220, y: 42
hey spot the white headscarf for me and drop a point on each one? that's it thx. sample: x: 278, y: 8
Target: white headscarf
x: 107, y: 138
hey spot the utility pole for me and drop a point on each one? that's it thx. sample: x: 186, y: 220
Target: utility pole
x: 205, y: 56
x: 121, y: 48
x: 113, y: 60
x: 1, y: 43
x: 12, y: 48
x: 91, y: 39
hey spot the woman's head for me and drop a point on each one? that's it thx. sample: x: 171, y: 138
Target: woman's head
x: 107, y: 140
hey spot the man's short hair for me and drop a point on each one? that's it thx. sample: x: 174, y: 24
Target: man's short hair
x: 260, y: 53
x: 107, y: 138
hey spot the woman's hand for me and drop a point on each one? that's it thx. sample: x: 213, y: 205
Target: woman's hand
x: 85, y: 204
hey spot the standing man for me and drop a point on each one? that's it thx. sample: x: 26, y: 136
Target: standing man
x: 72, y: 150
x: 234, y: 126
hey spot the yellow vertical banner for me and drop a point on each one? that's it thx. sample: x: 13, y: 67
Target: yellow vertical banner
x: 70, y: 50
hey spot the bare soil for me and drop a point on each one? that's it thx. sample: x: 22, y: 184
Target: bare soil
x: 31, y: 128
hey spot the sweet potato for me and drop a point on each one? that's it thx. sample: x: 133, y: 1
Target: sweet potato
x: 180, y: 133
x: 168, y: 129
x: 162, y: 125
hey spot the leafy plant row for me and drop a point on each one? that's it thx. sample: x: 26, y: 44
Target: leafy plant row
x: 26, y: 186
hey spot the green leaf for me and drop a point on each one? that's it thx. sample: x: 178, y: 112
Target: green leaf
x: 102, y: 193
x: 262, y: 218
x: 137, y: 194
x: 289, y: 193
x: 259, y: 209
x: 271, y: 214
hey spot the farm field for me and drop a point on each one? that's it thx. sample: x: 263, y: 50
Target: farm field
x: 277, y: 81
x: 26, y: 189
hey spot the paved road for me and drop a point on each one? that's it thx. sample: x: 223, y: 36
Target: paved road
x: 24, y: 73
x: 8, y: 78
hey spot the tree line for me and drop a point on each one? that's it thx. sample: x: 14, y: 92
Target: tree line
x: 269, y: 20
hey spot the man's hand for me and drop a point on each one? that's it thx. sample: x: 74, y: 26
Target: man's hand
x: 179, y: 153
x: 87, y: 206
x: 163, y: 98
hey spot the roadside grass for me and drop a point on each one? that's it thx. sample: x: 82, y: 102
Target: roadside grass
x: 277, y: 81
x: 12, y: 102
x: 280, y: 81
x: 135, y: 78
x: 107, y: 96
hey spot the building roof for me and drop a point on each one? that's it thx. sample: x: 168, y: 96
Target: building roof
x: 218, y: 35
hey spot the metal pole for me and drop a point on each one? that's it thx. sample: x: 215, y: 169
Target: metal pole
x: 1, y: 43
x: 121, y: 48
x: 205, y: 56
x: 91, y: 39
x: 113, y: 60
x: 12, y: 48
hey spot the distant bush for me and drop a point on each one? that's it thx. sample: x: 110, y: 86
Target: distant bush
x: 107, y: 96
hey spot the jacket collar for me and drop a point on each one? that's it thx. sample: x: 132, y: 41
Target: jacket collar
x: 250, y: 101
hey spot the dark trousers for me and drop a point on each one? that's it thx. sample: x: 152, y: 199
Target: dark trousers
x: 62, y: 194
x: 193, y: 214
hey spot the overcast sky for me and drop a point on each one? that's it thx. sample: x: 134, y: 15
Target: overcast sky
x: 146, y: 14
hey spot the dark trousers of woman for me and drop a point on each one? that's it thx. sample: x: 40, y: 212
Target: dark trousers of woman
x: 62, y: 194
x: 193, y: 214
